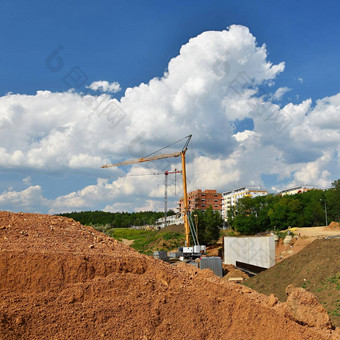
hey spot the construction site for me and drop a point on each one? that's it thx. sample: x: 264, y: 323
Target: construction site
x: 60, y: 279
x: 170, y: 170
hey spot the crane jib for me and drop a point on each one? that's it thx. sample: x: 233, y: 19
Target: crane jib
x: 153, y: 157
x: 144, y: 159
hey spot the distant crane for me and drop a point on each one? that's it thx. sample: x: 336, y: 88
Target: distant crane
x: 166, y: 173
x: 153, y: 157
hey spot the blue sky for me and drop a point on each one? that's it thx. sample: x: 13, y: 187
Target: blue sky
x: 132, y: 42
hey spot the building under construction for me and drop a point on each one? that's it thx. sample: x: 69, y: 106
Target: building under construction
x: 201, y: 200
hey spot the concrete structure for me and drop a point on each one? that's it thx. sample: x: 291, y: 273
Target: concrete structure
x: 256, y: 253
x: 201, y: 200
x: 230, y: 198
x: 296, y: 190
x: 214, y: 263
x: 173, y: 219
x: 161, y: 254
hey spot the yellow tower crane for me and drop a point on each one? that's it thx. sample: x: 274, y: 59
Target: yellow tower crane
x: 184, y: 176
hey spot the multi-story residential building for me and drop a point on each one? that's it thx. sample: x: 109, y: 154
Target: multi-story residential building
x: 230, y: 198
x: 296, y: 190
x: 173, y: 219
x: 201, y: 200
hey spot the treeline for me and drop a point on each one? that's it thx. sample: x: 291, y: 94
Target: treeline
x: 118, y: 219
x: 254, y: 215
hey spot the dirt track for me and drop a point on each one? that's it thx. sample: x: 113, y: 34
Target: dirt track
x: 317, y: 231
x: 59, y: 280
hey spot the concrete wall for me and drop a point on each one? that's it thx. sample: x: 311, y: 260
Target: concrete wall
x: 257, y: 251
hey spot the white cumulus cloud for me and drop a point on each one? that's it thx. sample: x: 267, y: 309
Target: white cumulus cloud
x: 280, y: 92
x: 105, y: 86
x: 212, y: 82
x: 30, y: 199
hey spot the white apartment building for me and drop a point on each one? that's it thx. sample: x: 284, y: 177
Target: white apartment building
x: 173, y: 219
x: 230, y: 198
x: 296, y: 190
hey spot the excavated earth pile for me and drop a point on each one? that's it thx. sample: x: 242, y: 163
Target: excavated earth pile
x: 316, y: 268
x: 60, y: 280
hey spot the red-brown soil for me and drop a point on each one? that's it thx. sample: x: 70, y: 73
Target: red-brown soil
x: 232, y: 272
x: 316, y: 268
x: 62, y: 280
x: 334, y: 225
x: 283, y: 251
x: 305, y: 308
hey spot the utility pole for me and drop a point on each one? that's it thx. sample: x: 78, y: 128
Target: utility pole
x: 325, y: 211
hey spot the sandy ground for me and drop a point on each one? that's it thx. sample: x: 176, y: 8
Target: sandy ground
x: 127, y: 242
x: 303, y: 237
x: 317, y: 232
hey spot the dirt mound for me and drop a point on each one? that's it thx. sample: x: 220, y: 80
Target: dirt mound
x: 334, y: 225
x: 305, y: 308
x: 60, y: 280
x: 235, y: 274
x: 215, y: 250
x: 232, y: 272
x: 283, y: 251
x: 174, y: 228
x: 315, y: 268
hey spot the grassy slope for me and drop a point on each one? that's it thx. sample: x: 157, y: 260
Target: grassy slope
x: 315, y: 268
x: 146, y: 241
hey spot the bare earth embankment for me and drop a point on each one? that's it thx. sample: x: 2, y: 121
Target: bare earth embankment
x: 316, y: 267
x: 60, y: 280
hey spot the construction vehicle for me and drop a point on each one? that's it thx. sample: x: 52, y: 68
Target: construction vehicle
x: 187, y: 251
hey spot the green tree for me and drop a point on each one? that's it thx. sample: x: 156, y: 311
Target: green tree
x: 313, y: 213
x: 253, y: 215
x: 262, y: 206
x: 230, y: 216
x: 210, y: 223
x: 295, y: 211
x: 245, y: 224
x: 246, y: 212
x: 279, y: 213
x: 118, y: 219
x: 332, y: 197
